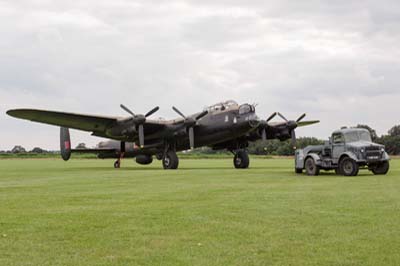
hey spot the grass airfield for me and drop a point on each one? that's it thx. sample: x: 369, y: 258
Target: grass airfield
x: 85, y: 212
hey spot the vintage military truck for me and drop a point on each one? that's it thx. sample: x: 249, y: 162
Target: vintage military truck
x: 347, y: 151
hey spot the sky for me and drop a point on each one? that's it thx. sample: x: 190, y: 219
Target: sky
x: 338, y: 61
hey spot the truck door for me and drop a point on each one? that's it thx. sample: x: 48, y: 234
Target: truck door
x: 338, y: 146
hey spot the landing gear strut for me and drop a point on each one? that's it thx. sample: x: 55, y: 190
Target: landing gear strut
x: 117, y: 163
x: 241, y: 159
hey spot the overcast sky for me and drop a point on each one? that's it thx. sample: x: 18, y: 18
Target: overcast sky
x: 338, y: 61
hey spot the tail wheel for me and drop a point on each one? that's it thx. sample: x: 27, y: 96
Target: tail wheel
x: 311, y: 167
x: 381, y: 168
x: 117, y: 164
x: 241, y: 160
x: 348, y: 167
x: 170, y: 160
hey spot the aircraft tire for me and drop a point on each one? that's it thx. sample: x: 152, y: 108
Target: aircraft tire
x: 241, y: 160
x: 170, y: 160
x: 117, y: 164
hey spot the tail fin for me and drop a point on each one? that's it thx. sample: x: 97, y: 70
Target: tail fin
x: 65, y: 143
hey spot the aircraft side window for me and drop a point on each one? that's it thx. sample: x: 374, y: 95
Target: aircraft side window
x: 338, y: 138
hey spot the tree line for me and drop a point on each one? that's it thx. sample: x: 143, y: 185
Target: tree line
x: 391, y: 141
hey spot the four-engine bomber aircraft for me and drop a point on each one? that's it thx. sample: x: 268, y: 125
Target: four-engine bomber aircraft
x: 225, y: 125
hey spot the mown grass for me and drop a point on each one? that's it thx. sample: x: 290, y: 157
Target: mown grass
x: 84, y: 212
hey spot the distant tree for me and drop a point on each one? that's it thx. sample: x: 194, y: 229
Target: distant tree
x: 394, y: 131
x: 81, y: 146
x: 284, y: 148
x: 18, y: 149
x: 392, y: 144
x: 372, y: 131
x: 37, y: 150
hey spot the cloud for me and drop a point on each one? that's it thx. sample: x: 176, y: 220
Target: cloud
x: 337, y: 60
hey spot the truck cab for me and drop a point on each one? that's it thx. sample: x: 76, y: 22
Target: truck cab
x: 347, y: 151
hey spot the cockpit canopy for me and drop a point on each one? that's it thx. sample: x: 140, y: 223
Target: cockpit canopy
x: 218, y: 107
x: 246, y: 108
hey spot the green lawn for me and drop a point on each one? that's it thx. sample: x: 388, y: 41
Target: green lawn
x: 84, y: 212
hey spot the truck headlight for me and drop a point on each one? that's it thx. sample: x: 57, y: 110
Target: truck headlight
x: 362, y: 150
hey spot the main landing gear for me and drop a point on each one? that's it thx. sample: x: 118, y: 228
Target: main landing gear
x: 241, y: 159
x: 169, y: 159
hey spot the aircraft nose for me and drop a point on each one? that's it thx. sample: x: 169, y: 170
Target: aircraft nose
x: 254, y: 120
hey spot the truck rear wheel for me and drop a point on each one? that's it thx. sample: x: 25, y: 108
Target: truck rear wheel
x: 311, y: 167
x: 348, y: 167
x: 381, y: 168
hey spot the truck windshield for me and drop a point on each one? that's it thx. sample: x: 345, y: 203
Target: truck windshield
x: 357, y: 136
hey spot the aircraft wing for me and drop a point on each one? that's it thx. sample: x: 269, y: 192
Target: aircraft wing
x: 68, y: 120
x: 307, y: 123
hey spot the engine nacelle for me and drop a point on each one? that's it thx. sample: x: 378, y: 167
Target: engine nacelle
x: 144, y: 159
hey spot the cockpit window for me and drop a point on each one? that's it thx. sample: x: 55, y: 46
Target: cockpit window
x: 245, y: 108
x: 338, y: 138
x: 222, y: 106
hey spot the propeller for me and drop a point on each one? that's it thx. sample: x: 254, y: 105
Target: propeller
x: 139, y: 120
x: 290, y: 124
x: 190, y: 122
x: 264, y: 130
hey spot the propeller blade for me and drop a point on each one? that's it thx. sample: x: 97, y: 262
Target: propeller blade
x: 155, y: 109
x: 294, y: 141
x: 141, y: 136
x: 264, y: 134
x: 284, y: 118
x: 179, y: 112
x: 191, y: 137
x: 271, y: 117
x: 127, y: 109
x: 300, y: 118
x: 201, y: 115
x: 307, y: 123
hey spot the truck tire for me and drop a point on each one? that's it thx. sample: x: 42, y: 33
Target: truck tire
x: 298, y: 170
x: 311, y: 167
x: 381, y: 169
x: 348, y: 167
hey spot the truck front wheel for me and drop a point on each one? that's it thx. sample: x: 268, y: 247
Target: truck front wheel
x: 348, y: 167
x: 381, y: 169
x: 311, y: 167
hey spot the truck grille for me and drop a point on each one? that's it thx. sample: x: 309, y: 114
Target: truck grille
x: 374, y: 155
x: 372, y: 148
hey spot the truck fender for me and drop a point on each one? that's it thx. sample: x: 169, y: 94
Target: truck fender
x: 348, y: 154
x: 316, y: 158
x: 386, y: 156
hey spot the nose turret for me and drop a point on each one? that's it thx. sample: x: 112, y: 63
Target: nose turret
x: 254, y: 120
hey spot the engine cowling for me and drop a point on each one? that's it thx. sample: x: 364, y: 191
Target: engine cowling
x: 144, y: 159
